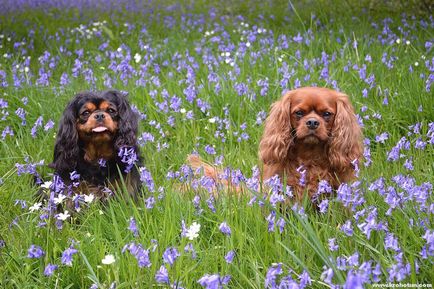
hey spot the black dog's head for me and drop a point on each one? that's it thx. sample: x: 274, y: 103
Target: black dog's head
x: 94, y: 126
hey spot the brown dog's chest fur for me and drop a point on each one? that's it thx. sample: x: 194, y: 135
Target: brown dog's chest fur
x: 310, y: 160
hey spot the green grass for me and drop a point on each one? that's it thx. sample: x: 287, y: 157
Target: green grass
x: 303, y: 245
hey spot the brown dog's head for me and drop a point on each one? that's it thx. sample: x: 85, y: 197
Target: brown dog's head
x: 308, y: 117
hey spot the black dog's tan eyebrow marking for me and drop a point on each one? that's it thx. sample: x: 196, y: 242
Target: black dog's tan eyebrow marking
x: 88, y: 106
x: 104, y: 105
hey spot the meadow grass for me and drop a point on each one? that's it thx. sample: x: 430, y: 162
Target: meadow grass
x: 238, y: 58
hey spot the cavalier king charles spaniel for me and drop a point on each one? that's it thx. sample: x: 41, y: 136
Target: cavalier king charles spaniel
x: 310, y: 135
x: 97, y: 144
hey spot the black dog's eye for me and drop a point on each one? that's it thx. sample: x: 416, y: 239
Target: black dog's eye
x: 299, y: 113
x: 85, y: 113
x: 111, y: 110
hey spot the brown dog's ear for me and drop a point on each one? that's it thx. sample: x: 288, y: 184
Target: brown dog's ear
x: 277, y: 139
x: 345, y: 145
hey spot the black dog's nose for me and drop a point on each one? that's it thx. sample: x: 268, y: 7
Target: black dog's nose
x: 99, y: 116
x: 312, y: 123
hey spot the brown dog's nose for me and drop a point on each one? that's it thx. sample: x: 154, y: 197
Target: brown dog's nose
x: 312, y: 123
x: 99, y: 116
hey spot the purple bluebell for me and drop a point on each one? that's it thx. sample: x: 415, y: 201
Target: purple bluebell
x: 146, y: 178
x: 225, y: 229
x: 170, y: 255
x: 190, y: 249
x: 21, y: 113
x: 272, y: 274
x: 305, y: 280
x: 49, y: 269
x: 67, y: 256
x: 323, y: 206
x: 327, y: 275
x: 353, y: 260
x: 345, y: 194
x: 162, y: 275
x: 353, y: 281
x: 408, y: 164
x: 150, y: 202
x: 38, y: 123
x: 139, y: 253
x: 280, y: 223
x: 7, y: 131
x: 303, y: 172
x: 381, y: 138
x: 332, y: 244
x: 133, y: 227
x: 214, y: 281
x: 35, y: 252
x: 230, y: 257
x: 347, y: 228
x: 210, y: 150
x: 129, y: 157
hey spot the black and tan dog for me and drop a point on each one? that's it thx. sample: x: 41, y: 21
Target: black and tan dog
x: 97, y: 139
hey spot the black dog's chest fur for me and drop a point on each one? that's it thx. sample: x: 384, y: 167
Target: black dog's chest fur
x: 98, y: 174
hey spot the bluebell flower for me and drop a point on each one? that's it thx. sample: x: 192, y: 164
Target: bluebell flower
x: 38, y: 123
x: 210, y: 150
x: 272, y: 274
x: 35, y: 252
x: 139, y: 253
x: 190, y: 249
x: 381, y: 138
x: 7, y: 131
x: 353, y: 260
x: 128, y: 156
x: 305, y: 279
x: 408, y: 164
x: 210, y: 203
x: 49, y: 269
x: 353, y: 281
x: 67, y: 256
x: 280, y: 223
x: 327, y: 275
x: 170, y: 255
x: 376, y: 273
x: 150, y: 202
x: 323, y: 206
x: 162, y: 276
x: 133, y: 227
x: 345, y: 195
x: 332, y: 244
x: 146, y: 178
x: 230, y: 257
x: 347, y: 228
x: 213, y: 281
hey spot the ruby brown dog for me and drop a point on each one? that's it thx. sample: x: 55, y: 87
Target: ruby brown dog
x: 310, y: 135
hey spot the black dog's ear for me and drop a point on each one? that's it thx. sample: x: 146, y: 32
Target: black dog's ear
x: 127, y: 123
x: 66, y: 149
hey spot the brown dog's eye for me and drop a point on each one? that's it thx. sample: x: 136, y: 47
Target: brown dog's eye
x: 327, y: 114
x: 299, y: 113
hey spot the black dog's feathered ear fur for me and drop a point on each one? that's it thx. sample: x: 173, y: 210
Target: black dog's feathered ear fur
x: 127, y: 123
x: 66, y: 149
